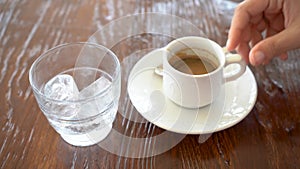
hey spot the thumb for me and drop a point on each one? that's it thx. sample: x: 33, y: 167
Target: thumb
x: 276, y: 45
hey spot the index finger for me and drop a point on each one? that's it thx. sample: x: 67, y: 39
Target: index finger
x: 242, y: 19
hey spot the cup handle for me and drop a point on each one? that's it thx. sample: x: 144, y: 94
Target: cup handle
x: 235, y: 59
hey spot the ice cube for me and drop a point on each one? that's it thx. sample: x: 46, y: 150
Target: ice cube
x: 61, y: 87
x: 95, y: 88
x: 98, y: 104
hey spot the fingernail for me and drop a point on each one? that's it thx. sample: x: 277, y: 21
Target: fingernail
x: 259, y: 57
x: 227, y: 43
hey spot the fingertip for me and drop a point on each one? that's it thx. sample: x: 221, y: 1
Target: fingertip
x: 229, y: 45
x: 233, y: 41
x: 257, y: 58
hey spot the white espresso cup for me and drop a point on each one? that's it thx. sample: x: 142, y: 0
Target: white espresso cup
x: 192, y: 90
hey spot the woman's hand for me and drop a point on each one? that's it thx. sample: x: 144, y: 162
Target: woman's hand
x: 280, y: 19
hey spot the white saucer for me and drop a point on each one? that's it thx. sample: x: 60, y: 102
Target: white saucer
x: 145, y: 92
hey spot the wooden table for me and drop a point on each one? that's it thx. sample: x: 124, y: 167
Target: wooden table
x: 269, y: 137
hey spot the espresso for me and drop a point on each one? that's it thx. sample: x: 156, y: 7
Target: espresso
x: 190, y: 63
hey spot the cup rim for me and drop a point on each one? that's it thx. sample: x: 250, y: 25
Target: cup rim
x: 115, y: 76
x: 221, y: 62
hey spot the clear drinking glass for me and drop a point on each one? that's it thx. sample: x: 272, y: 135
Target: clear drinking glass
x: 77, y: 87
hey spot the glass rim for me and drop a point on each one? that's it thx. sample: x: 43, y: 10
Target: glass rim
x: 115, y: 75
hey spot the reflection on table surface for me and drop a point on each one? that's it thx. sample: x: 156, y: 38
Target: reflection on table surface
x: 269, y: 136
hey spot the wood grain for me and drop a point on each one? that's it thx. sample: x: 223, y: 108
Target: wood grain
x: 269, y: 137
